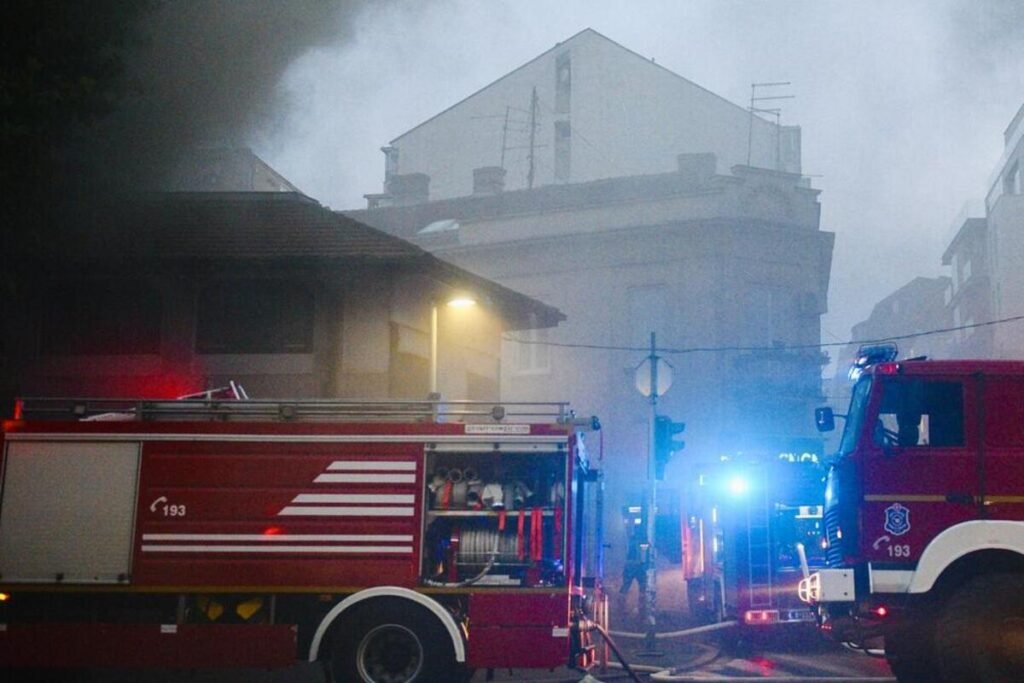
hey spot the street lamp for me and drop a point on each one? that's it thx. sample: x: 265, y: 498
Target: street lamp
x: 456, y: 301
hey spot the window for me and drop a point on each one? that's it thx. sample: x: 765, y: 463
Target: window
x: 97, y: 318
x: 255, y: 316
x: 563, y: 83
x: 531, y: 352
x: 390, y: 161
x: 955, y: 263
x: 965, y: 271
x: 649, y: 311
x: 855, y: 416
x: 919, y: 412
x: 769, y: 314
x: 1011, y: 180
x: 563, y: 150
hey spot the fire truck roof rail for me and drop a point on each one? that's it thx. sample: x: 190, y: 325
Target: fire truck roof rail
x: 300, y: 410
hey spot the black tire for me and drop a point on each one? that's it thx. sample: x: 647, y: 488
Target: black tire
x: 910, y: 651
x: 391, y: 640
x: 980, y: 631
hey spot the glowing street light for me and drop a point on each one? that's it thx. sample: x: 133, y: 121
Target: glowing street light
x: 456, y: 301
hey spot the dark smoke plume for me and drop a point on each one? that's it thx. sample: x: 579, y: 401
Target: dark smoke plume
x: 102, y: 97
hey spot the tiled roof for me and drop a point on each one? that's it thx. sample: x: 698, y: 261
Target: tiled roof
x: 246, y: 226
x: 263, y: 227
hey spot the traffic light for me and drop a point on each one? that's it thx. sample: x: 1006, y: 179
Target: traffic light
x: 665, y: 442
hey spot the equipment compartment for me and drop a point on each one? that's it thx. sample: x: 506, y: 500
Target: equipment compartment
x: 494, y: 518
x: 68, y: 512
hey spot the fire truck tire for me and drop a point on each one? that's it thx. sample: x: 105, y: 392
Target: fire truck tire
x: 910, y: 651
x: 392, y: 641
x: 980, y: 632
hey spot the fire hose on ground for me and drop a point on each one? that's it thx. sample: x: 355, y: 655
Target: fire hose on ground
x: 661, y: 674
x: 632, y: 669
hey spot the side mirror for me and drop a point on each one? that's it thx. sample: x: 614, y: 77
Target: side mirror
x: 824, y: 419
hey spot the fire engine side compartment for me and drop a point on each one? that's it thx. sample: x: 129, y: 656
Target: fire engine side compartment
x: 245, y: 513
x: 67, y: 512
x: 513, y: 629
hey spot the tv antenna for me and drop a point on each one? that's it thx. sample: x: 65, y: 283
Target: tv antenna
x: 776, y: 112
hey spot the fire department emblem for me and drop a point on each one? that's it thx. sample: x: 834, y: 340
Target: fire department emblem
x: 897, y: 519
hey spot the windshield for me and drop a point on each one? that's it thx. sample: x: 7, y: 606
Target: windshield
x: 855, y: 416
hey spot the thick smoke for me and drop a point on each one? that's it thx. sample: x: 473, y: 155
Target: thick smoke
x: 203, y: 72
x: 107, y: 96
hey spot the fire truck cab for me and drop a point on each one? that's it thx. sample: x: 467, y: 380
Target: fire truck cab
x: 394, y: 541
x: 924, y: 512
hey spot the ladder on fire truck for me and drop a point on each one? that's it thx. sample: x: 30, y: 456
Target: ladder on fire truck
x: 759, y: 550
x: 224, y: 406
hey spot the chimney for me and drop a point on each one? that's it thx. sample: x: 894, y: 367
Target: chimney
x: 697, y: 169
x: 488, y: 180
x: 408, y: 188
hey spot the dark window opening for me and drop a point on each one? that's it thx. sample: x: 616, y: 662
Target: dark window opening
x: 920, y: 413
x: 255, y: 316
x: 98, y: 318
x: 563, y: 150
x: 563, y: 83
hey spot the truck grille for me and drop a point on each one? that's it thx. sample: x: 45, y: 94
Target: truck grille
x: 834, y: 552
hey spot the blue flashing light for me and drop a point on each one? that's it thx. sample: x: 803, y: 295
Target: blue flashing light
x: 738, y: 486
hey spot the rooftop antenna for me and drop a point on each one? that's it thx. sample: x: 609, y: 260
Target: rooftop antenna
x: 504, y: 138
x: 754, y: 97
x: 533, y: 134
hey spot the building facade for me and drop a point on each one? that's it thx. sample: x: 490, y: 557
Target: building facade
x: 1004, y: 205
x: 179, y: 293
x: 969, y: 296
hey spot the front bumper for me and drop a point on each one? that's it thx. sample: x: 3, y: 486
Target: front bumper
x: 841, y: 616
x: 828, y: 585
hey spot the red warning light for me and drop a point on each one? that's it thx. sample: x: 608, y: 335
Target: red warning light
x: 272, y: 531
x: 888, y: 369
x: 881, y: 610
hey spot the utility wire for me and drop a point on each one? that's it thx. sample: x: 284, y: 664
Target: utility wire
x: 780, y: 347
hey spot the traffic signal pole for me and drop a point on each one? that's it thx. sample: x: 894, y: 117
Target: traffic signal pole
x: 650, y: 596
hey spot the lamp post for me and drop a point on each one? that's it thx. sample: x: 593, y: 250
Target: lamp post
x: 457, y: 301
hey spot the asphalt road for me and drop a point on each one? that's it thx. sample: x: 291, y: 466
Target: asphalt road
x: 782, y: 657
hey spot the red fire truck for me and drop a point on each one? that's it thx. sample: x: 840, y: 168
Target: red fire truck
x: 924, y: 511
x: 752, y: 523
x: 391, y: 541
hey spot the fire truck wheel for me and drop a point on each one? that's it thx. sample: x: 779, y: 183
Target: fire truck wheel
x: 392, y: 641
x: 980, y: 633
x: 910, y: 651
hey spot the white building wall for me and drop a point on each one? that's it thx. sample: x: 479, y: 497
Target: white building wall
x: 1005, y: 206
x: 627, y: 116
